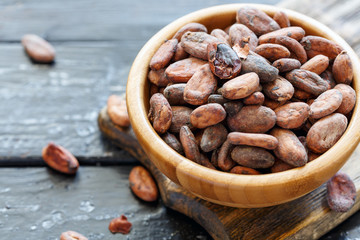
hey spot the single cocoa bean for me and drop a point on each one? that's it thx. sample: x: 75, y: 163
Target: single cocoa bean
x: 296, y: 33
x: 196, y: 43
x: 280, y: 166
x: 256, y: 98
x: 292, y: 115
x: 244, y: 170
x: 173, y: 142
x: 217, y: 98
x: 238, y: 33
x: 181, y: 71
x: 120, y: 225
x: 190, y: 27
x: 158, y: 77
x: 180, y: 117
x: 72, y: 235
x: 252, y: 157
x: 282, y: 19
x: 188, y: 142
x: 179, y: 54
x: 342, y: 68
x: 317, y: 64
x: 326, y: 103
x: 315, y: 45
x: 164, y: 54
x: 341, y: 192
x: 286, y: 64
x: 348, y: 100
x: 224, y: 161
x: 279, y: 90
x: 272, y: 52
x: 240, y: 87
x: 232, y: 108
x: 117, y: 111
x: 221, y: 35
x: 204, y: 161
x: 259, y: 65
x: 207, y: 115
x: 160, y: 113
x: 329, y: 78
x: 142, y: 184
x: 60, y: 159
x: 175, y: 94
x: 38, y: 49
x: 213, y: 137
x: 253, y: 139
x: 307, y: 81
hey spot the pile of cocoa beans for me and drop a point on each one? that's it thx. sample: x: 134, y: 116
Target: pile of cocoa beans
x: 260, y: 96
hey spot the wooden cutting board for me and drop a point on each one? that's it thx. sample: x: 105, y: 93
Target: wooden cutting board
x: 305, y: 218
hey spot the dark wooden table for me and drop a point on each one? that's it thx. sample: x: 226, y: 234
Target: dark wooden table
x: 96, y: 42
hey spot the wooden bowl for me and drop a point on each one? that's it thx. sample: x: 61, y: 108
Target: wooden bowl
x: 245, y: 191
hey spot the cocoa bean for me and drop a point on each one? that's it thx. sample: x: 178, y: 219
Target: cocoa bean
x: 282, y: 19
x: 272, y: 52
x: 160, y: 113
x: 317, y: 64
x: 142, y: 184
x: 175, y: 94
x: 120, y: 225
x: 259, y: 65
x: 256, y: 98
x: 342, y: 68
x: 180, y: 117
x: 72, y: 235
x: 38, y: 49
x: 179, y: 54
x: 341, y: 192
x: 315, y: 45
x: 60, y: 159
x: 240, y: 87
x: 196, y: 43
x: 188, y: 142
x: 117, y: 111
x: 326, y: 103
x: 280, y: 166
x: 213, y: 137
x: 224, y: 161
x: 238, y: 33
x: 207, y: 115
x: 244, y: 170
x: 252, y: 157
x: 296, y: 33
x: 173, y: 142
x: 190, y: 27
x: 348, y: 100
x: 279, y: 90
x: 181, y: 71
x: 221, y: 35
x: 297, y: 51
x: 163, y: 55
x: 253, y: 139
x: 158, y: 77
x: 286, y: 64
x: 307, y: 81
x: 292, y: 115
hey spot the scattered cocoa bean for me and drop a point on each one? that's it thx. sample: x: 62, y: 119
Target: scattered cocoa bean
x: 117, y: 111
x: 72, y: 235
x: 142, y: 184
x: 120, y: 225
x: 60, y: 159
x: 38, y: 49
x: 341, y: 192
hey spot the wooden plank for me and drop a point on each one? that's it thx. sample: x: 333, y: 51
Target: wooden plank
x: 42, y: 203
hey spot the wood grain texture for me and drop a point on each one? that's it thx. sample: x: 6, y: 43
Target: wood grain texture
x: 305, y: 218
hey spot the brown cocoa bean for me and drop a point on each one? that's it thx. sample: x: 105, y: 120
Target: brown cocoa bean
x: 252, y: 157
x: 158, y: 77
x: 190, y: 27
x: 224, y: 161
x: 286, y: 64
x: 173, y: 142
x: 60, y: 159
x: 240, y: 87
x: 297, y: 51
x: 342, y: 69
x: 181, y: 71
x: 312, y: 156
x: 244, y: 170
x: 72, y: 235
x: 256, y: 20
x: 326, y: 103
x: 272, y: 104
x: 180, y: 117
x: 326, y: 132
x: 163, y: 55
x: 279, y: 90
x: 38, y: 49
x: 180, y: 53
x: 221, y: 35
x: 282, y: 19
x: 207, y: 115
x: 142, y: 184
x: 253, y: 119
x: 272, y: 52
x: 160, y: 113
x: 196, y: 43
x: 329, y: 78
x: 289, y: 149
x: 189, y: 144
x: 238, y: 33
x: 120, y: 225
x: 259, y: 65
x: 223, y: 60
x: 204, y: 161
x: 315, y: 45
x: 217, y: 98
x: 175, y: 94
x: 341, y: 192
x: 256, y: 98
x: 117, y: 111
x: 302, y: 95
x: 253, y: 139
x: 280, y: 166
x: 200, y: 86
x: 232, y: 108
x: 296, y: 33
x: 292, y: 115
x: 153, y: 89
x: 213, y: 137
x: 317, y: 64
x: 307, y: 81
x: 348, y: 100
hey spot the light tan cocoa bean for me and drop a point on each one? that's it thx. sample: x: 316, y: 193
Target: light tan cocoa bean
x: 282, y: 19
x: 158, y: 77
x: 317, y: 64
x: 160, y: 113
x: 280, y: 166
x: 329, y: 78
x: 175, y: 94
x: 60, y: 159
x: 256, y: 20
x: 238, y: 33
x: 252, y: 157
x: 326, y: 103
x: 173, y: 142
x: 190, y: 27
x: 326, y: 132
x: 341, y: 192
x: 272, y: 52
x: 307, y: 81
x: 217, y: 98
x: 279, y: 90
x: 180, y: 117
x: 38, y: 49
x: 72, y: 235
x: 180, y: 53
x: 348, y: 100
x: 315, y: 45
x: 224, y: 161
x: 297, y: 51
x: 259, y: 65
x: 207, y: 115
x: 200, y: 86
x: 292, y: 115
x: 256, y: 98
x: 286, y: 64
x: 253, y: 139
x: 342, y: 69
x: 221, y: 35
x: 142, y: 184
x: 253, y: 119
x: 296, y: 33
x: 163, y: 55
x: 181, y: 71
x: 240, y: 87
x: 188, y: 142
x: 120, y: 225
x: 117, y: 111
x: 196, y: 43
x: 244, y: 170
x: 289, y: 149
x: 213, y: 137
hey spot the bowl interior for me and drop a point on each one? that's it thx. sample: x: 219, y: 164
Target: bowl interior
x: 225, y: 188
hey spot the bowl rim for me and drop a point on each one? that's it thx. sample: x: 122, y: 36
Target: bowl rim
x: 151, y: 141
